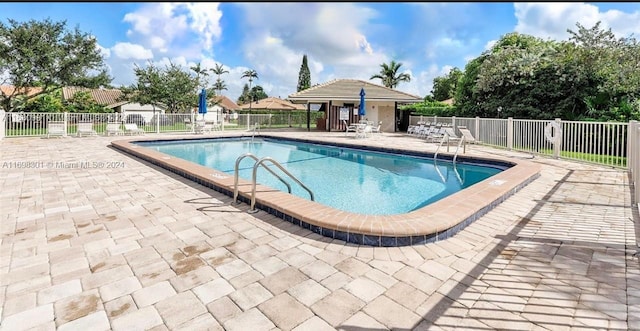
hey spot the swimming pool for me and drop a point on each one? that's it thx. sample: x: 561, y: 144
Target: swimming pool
x: 359, y: 181
x: 436, y: 221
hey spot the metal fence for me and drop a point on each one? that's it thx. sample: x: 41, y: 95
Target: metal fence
x: 3, y: 126
x: 606, y: 143
x: 35, y: 124
x: 633, y: 156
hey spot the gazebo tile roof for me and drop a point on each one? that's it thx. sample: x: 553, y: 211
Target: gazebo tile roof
x: 349, y: 90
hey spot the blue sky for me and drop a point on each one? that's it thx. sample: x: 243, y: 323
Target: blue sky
x: 341, y: 40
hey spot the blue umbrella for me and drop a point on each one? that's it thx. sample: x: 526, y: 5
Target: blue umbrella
x: 361, y: 111
x: 202, y: 103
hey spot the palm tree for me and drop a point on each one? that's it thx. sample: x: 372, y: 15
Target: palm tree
x: 219, y: 85
x: 251, y: 74
x: 201, y: 75
x: 389, y: 74
x: 219, y: 70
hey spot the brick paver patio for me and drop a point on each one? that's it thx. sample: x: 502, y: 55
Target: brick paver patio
x: 136, y: 247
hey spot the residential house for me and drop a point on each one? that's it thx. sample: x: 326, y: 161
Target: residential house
x: 110, y: 98
x: 222, y: 108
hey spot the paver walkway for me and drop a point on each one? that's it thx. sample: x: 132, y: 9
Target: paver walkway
x: 135, y: 247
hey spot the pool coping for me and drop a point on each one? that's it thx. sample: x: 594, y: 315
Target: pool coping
x: 436, y: 221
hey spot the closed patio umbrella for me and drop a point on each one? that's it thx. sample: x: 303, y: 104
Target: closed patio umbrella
x: 202, y: 103
x: 361, y: 110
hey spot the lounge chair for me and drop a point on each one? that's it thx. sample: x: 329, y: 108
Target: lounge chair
x: 349, y: 127
x: 85, y: 128
x: 56, y: 128
x: 425, y: 131
x: 468, y: 137
x: 437, y: 134
x: 113, y: 128
x: 132, y: 128
x: 453, y: 137
x: 415, y: 129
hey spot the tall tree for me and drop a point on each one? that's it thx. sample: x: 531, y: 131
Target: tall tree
x: 170, y: 87
x: 219, y: 70
x: 219, y: 85
x: 46, y: 55
x: 611, y: 66
x: 244, y: 96
x: 304, y: 76
x: 256, y: 93
x: 390, y: 76
x: 467, y: 98
x: 250, y: 74
x: 201, y: 75
x: 149, y: 88
x: 445, y: 87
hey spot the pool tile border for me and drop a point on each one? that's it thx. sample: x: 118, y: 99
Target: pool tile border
x: 437, y: 221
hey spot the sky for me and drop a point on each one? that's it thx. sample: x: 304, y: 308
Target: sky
x: 341, y: 40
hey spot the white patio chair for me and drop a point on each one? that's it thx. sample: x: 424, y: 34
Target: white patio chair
x: 349, y: 127
x: 56, y: 128
x: 113, y: 128
x: 377, y: 129
x: 203, y: 127
x: 85, y: 128
x: 132, y: 128
x: 363, y: 131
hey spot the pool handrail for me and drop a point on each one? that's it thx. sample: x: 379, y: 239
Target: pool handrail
x: 235, y: 175
x: 254, y: 179
x: 446, y: 137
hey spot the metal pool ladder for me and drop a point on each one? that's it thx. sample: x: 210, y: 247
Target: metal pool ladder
x: 260, y: 162
x: 256, y: 127
x: 455, y: 156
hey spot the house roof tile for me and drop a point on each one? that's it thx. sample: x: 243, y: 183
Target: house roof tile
x: 273, y: 103
x: 226, y: 103
x: 10, y: 89
x: 349, y: 90
x: 106, y: 97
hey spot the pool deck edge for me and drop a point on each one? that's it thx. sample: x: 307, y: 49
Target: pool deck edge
x: 434, y: 222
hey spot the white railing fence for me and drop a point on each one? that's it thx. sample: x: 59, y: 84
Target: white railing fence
x: 15, y: 124
x: 3, y: 125
x: 633, y: 156
x: 277, y: 120
x: 604, y: 143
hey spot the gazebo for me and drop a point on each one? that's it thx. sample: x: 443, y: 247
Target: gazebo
x: 338, y: 99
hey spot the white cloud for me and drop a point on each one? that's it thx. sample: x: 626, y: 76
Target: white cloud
x: 166, y: 26
x: 333, y: 35
x: 206, y: 18
x: 551, y: 20
x: 422, y: 82
x: 105, y: 52
x: 445, y: 70
x: 131, y: 51
x: 489, y: 45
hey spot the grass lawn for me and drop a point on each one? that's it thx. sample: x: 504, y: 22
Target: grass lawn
x: 100, y: 129
x: 618, y: 161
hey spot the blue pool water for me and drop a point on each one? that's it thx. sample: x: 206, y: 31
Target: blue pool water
x: 359, y: 181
